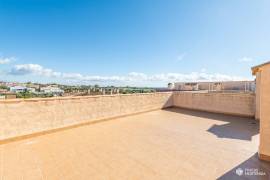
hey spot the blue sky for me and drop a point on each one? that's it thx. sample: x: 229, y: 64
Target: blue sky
x: 132, y: 42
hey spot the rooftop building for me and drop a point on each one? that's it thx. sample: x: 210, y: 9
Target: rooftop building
x: 214, y: 86
x: 17, y: 89
x: 20, y: 89
x: 52, y: 90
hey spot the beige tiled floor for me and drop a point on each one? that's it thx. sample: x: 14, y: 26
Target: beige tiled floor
x: 164, y: 144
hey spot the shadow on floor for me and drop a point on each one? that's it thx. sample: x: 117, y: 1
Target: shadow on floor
x: 253, y: 168
x: 234, y: 127
x: 235, y: 131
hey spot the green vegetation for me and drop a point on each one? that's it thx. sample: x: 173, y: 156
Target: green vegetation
x: 131, y: 90
x: 28, y: 94
x: 3, y: 87
x: 77, y: 90
x: 25, y: 95
x: 95, y: 90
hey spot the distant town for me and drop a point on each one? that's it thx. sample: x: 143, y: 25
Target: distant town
x: 12, y: 90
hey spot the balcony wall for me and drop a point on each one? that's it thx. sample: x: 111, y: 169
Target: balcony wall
x: 242, y: 104
x: 22, y: 117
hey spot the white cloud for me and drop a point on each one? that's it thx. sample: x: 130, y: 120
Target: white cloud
x: 72, y: 76
x: 136, y: 75
x: 245, y: 59
x: 193, y: 77
x: 180, y: 57
x: 203, y: 70
x: 34, y: 69
x: 6, y: 60
x: 133, y: 77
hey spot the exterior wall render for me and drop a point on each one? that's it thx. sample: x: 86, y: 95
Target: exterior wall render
x: 257, y: 92
x: 264, y: 105
x: 20, y: 117
x: 242, y: 104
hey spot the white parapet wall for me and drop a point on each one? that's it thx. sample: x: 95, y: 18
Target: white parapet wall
x: 21, y: 117
x: 242, y: 104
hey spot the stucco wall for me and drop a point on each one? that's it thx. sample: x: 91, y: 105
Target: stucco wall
x: 258, y: 96
x: 242, y: 104
x: 22, y: 117
x: 264, y: 92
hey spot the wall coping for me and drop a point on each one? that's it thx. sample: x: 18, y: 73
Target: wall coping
x: 3, y: 101
x: 213, y: 92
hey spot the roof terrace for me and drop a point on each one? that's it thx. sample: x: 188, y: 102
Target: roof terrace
x: 172, y: 143
x: 135, y: 136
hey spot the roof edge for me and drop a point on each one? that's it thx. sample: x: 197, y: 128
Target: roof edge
x: 256, y: 68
